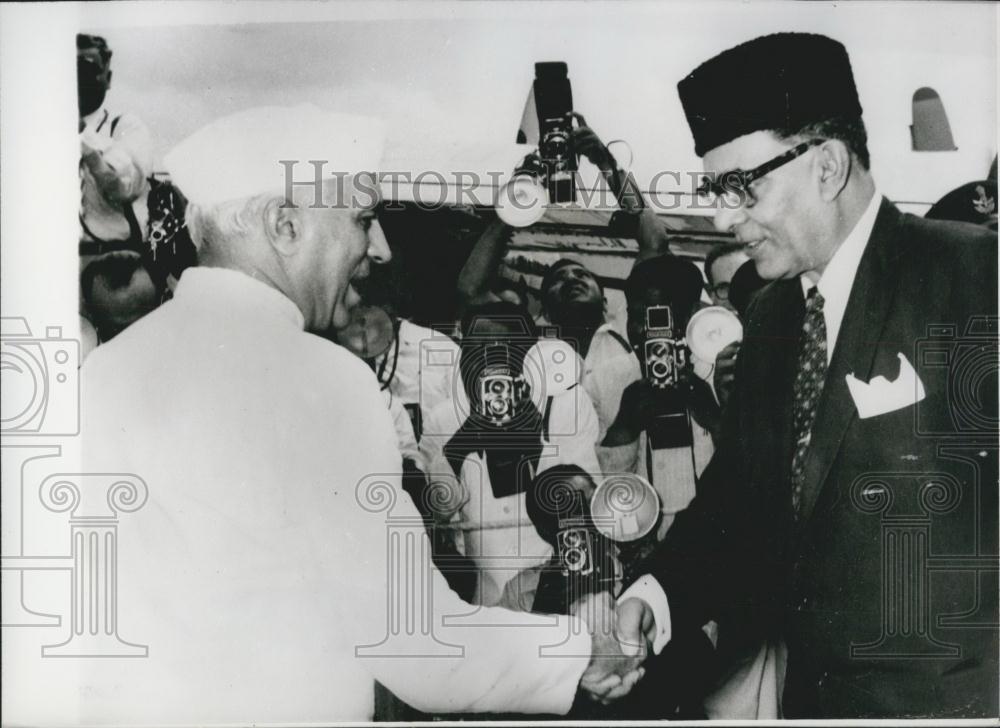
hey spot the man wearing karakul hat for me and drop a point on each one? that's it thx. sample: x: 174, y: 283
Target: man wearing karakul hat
x: 258, y: 567
x: 858, y: 427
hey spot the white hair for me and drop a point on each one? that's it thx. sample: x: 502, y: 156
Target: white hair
x: 219, y: 226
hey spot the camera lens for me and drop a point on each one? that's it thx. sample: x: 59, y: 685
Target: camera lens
x: 498, y: 387
x: 660, y: 369
x: 557, y: 144
x: 659, y: 349
x: 499, y: 406
x: 572, y: 538
x: 574, y: 559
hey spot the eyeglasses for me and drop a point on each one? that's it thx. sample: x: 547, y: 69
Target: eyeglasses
x: 737, y: 182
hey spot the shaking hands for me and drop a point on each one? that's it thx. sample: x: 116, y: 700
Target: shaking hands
x: 620, y: 639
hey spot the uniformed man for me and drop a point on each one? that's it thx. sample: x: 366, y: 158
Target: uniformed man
x: 257, y: 570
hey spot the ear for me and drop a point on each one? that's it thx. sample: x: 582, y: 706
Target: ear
x: 283, y: 227
x: 835, y: 168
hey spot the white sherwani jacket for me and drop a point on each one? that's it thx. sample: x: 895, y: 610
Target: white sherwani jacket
x: 265, y: 560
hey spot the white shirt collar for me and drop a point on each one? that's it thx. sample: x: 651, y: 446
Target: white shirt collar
x: 95, y: 117
x: 227, y: 289
x: 838, y: 278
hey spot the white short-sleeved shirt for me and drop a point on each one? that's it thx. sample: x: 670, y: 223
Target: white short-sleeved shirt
x: 126, y: 145
x: 419, y: 368
x: 497, y: 533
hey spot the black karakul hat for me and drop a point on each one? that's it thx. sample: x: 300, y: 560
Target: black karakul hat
x: 776, y: 82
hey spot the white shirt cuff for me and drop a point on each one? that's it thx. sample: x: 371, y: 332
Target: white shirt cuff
x: 648, y: 589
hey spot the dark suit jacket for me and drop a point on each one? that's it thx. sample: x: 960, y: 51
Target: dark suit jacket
x: 885, y: 589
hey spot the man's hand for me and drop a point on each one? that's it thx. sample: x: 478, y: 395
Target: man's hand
x: 701, y: 402
x: 587, y: 143
x: 635, y: 411
x: 611, y: 673
x: 87, y: 152
x: 636, y: 624
x: 724, y: 377
x: 641, y: 402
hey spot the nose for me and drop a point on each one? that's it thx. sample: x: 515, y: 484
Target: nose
x: 728, y: 214
x: 378, y: 246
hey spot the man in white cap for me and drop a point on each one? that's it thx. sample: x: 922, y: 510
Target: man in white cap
x: 259, y: 573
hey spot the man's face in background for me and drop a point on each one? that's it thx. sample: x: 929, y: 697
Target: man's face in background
x: 573, y: 297
x: 93, y: 79
x: 114, y: 309
x: 720, y: 275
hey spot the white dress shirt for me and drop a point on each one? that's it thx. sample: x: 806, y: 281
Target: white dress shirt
x: 838, y: 277
x: 258, y: 567
x: 126, y: 146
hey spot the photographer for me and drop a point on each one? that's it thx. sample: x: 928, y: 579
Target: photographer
x: 573, y: 300
x: 585, y: 561
x: 116, y: 157
x: 117, y: 291
x: 666, y: 413
x: 478, y: 280
x: 634, y: 219
x: 484, y: 447
x: 392, y: 347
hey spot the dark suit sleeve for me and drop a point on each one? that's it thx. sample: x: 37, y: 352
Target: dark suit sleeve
x: 721, y: 558
x: 698, y: 563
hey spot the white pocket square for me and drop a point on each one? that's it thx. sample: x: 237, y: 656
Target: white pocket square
x: 880, y: 396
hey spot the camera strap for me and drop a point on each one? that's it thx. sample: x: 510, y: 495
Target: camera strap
x: 545, y: 417
x: 383, y: 380
x: 621, y: 340
x: 673, y: 473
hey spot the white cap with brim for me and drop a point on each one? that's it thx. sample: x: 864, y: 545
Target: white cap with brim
x: 239, y: 155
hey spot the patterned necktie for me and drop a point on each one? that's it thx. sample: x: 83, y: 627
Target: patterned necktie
x: 808, y: 387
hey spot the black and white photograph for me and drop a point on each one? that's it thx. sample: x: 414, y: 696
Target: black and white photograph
x: 447, y: 362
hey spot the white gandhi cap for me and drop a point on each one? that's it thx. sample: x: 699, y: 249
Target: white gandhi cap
x: 240, y: 155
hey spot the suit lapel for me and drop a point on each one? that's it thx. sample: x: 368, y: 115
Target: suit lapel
x: 867, y: 309
x: 770, y: 357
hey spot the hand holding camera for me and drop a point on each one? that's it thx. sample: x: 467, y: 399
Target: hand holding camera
x: 586, y: 142
x: 724, y: 377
